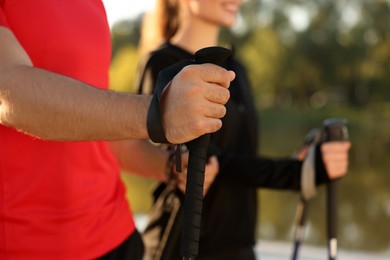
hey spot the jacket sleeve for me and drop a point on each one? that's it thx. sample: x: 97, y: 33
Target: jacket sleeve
x: 262, y: 172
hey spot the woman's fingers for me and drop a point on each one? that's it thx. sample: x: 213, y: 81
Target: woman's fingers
x: 335, y: 158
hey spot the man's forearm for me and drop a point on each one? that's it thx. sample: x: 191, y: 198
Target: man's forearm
x: 54, y: 107
x: 140, y: 157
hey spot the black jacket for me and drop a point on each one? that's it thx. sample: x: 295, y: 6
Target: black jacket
x: 230, y: 206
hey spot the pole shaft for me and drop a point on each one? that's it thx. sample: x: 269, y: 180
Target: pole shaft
x: 332, y: 219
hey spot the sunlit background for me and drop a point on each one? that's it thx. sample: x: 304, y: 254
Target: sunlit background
x: 308, y: 61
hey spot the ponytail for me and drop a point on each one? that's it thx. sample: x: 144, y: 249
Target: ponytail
x: 159, y: 25
x: 167, y: 15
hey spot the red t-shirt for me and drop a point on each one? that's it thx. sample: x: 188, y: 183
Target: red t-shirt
x: 60, y: 200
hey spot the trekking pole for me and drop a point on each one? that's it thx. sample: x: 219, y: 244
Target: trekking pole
x: 192, y: 211
x: 334, y: 130
x: 198, y: 147
x: 302, y: 207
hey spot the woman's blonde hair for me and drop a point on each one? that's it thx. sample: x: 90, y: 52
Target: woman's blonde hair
x: 159, y: 24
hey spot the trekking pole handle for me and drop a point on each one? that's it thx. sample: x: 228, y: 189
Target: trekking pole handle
x: 192, y: 211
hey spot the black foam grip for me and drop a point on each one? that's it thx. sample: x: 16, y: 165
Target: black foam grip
x: 335, y: 129
x: 192, y: 211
